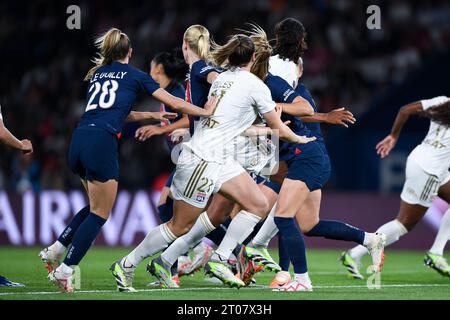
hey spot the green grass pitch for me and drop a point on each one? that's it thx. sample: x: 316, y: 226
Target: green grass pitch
x: 404, y: 277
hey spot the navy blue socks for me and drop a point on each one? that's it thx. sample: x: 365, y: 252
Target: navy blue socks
x: 218, y: 234
x: 292, y: 239
x: 166, y: 210
x: 337, y: 230
x: 66, y: 236
x: 283, y: 254
x: 83, y: 238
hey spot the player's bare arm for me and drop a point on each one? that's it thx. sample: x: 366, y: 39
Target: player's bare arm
x: 385, y: 146
x: 148, y: 131
x: 142, y: 116
x: 285, y: 133
x: 340, y: 116
x: 300, y: 107
x: 183, y: 106
x: 7, y: 138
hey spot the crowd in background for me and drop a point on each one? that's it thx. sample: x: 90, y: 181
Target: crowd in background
x: 43, y: 63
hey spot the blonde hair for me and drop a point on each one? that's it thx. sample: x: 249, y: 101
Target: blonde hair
x: 236, y: 52
x: 263, y: 51
x: 198, y: 39
x: 112, y: 45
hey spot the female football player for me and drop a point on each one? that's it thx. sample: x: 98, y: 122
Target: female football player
x: 251, y: 158
x: 206, y: 164
x: 427, y: 176
x: 93, y: 155
x: 169, y: 70
x: 196, y: 52
x: 292, y: 104
x: 308, y: 169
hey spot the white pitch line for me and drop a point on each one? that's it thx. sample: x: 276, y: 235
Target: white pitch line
x: 225, y: 288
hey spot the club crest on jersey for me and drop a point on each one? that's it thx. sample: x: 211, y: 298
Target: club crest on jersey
x: 201, y: 196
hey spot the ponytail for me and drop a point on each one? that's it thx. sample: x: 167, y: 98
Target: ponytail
x: 198, y: 39
x: 263, y: 50
x: 112, y: 45
x: 237, y: 52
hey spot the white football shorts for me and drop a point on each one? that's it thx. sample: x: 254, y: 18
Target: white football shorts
x: 421, y: 187
x: 195, y: 179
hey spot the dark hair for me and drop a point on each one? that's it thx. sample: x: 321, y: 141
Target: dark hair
x: 439, y: 114
x: 237, y: 52
x: 173, y: 64
x: 290, y: 39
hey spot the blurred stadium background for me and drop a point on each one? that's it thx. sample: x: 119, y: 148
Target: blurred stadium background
x: 371, y: 72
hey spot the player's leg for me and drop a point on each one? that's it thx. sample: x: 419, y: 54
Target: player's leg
x: 312, y: 226
x: 243, y: 190
x: 434, y: 258
x: 52, y: 255
x: 184, y: 217
x: 257, y: 249
x: 292, y: 195
x: 94, y: 157
x: 191, y: 195
x: 407, y: 218
x: 217, y: 210
x: 165, y: 203
x: 102, y: 196
x: 416, y: 197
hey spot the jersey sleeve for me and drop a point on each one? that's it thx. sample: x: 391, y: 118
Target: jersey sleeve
x: 1, y: 117
x: 430, y: 103
x: 281, y: 91
x: 147, y: 83
x: 262, y: 97
x: 202, y: 69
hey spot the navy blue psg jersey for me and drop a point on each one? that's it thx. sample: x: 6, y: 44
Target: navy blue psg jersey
x: 282, y: 92
x: 314, y: 127
x: 178, y: 91
x: 197, y: 89
x: 111, y: 94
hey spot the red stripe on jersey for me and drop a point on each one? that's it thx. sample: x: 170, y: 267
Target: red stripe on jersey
x: 162, y: 108
x: 188, y: 96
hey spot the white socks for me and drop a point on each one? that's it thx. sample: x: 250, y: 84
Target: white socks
x: 302, y: 278
x: 239, y: 229
x: 267, y: 232
x: 201, y: 228
x: 57, y: 248
x: 65, y: 269
x: 155, y: 241
x: 368, y: 238
x: 443, y: 235
x: 393, y: 231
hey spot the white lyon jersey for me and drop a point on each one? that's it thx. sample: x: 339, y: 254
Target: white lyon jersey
x: 433, y: 154
x: 285, y: 69
x: 1, y: 117
x: 240, y: 97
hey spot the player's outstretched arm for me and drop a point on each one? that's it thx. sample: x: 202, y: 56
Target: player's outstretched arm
x: 185, y: 107
x: 385, y: 146
x: 141, y: 116
x: 300, y: 107
x: 146, y: 132
x: 7, y: 138
x: 340, y: 116
x: 285, y: 133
